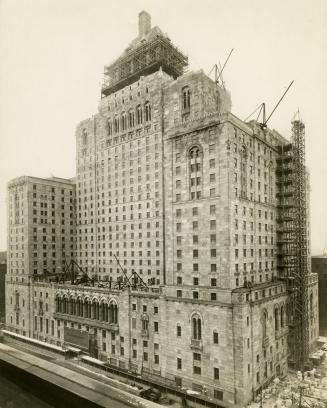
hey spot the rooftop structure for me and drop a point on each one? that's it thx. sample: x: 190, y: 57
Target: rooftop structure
x: 151, y: 50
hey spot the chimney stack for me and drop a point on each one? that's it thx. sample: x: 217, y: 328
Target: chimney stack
x: 144, y: 23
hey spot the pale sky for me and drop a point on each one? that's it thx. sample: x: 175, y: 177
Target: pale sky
x: 53, y: 52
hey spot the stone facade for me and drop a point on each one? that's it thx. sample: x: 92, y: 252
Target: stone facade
x: 180, y: 191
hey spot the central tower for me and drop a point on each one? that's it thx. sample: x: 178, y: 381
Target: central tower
x: 147, y: 53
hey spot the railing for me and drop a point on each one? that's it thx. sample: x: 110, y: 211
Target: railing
x: 86, y: 321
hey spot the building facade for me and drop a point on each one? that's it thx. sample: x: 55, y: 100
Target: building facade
x: 319, y: 267
x: 176, y: 191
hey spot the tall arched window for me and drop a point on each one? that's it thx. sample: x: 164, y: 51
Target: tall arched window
x: 147, y: 108
x: 264, y: 323
x: 195, y: 172
x: 58, y: 304
x: 186, y: 98
x: 276, y: 319
x: 109, y: 127
x: 84, y: 137
x: 131, y: 119
x: 123, y: 121
x: 116, y: 124
x: 113, y: 313
x: 139, y: 115
x: 282, y: 317
x: 196, y: 327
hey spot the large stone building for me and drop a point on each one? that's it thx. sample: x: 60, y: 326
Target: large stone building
x: 174, y: 189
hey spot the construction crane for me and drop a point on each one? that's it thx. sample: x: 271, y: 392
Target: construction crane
x: 219, y: 71
x: 262, y: 109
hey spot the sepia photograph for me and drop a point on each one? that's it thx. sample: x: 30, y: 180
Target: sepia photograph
x: 163, y: 204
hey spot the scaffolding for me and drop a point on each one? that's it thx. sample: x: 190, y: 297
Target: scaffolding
x: 145, y: 59
x: 292, y: 241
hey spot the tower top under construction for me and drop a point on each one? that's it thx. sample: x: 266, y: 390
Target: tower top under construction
x: 147, y: 53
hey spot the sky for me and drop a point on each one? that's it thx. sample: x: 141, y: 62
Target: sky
x: 52, y: 55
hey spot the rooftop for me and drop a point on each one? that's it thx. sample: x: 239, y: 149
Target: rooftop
x: 150, y: 51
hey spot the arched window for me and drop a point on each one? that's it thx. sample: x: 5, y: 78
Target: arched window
x: 145, y: 322
x: 109, y: 127
x: 116, y: 124
x: 276, y: 319
x: 17, y: 298
x: 264, y: 323
x: 186, y: 98
x: 113, y: 313
x: 147, y: 107
x: 282, y: 317
x: 139, y: 115
x: 103, y: 311
x: 196, y: 327
x: 95, y: 309
x: 123, y: 121
x: 58, y: 304
x: 84, y: 137
x: 311, y: 302
x: 131, y: 119
x: 70, y: 305
x: 195, y: 172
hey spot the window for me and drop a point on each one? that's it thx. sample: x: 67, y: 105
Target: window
x: 186, y: 96
x: 84, y: 142
x: 215, y: 337
x: 147, y: 107
x: 195, y: 165
x: 276, y: 319
x: 196, y: 327
x: 216, y: 373
x: 196, y: 370
x: 179, y: 363
x: 123, y: 121
x: 178, y: 330
x: 218, y: 394
x: 156, y: 327
x: 139, y: 115
x: 131, y: 119
x: 116, y: 124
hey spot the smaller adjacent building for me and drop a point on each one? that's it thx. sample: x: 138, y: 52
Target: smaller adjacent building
x: 319, y: 266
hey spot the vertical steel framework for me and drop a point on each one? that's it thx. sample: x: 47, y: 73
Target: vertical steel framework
x: 292, y: 240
